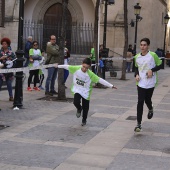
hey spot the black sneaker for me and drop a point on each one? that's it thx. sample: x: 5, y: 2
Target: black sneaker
x: 78, y: 114
x: 47, y: 93
x: 138, y: 128
x: 53, y: 92
x: 150, y: 113
x: 83, y: 123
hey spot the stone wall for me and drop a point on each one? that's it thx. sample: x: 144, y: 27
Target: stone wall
x: 11, y: 31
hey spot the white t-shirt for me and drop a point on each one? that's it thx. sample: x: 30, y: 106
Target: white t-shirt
x: 36, y: 62
x: 145, y: 63
x: 82, y: 82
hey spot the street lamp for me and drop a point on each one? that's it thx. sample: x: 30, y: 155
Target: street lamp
x: 166, y: 19
x: 137, y: 9
x: 18, y: 97
x: 105, y: 51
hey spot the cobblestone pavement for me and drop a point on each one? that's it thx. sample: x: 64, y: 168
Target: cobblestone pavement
x: 46, y: 135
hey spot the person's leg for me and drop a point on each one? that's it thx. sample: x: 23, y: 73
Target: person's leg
x: 54, y: 76
x: 35, y: 77
x: 9, y: 87
x: 31, y: 73
x: 93, y: 67
x: 77, y: 104
x: 141, y: 98
x: 130, y: 66
x: 148, y: 97
x: 41, y: 79
x: 85, y: 107
x: 126, y: 66
x: 49, y: 78
x: 148, y: 101
x: 1, y: 82
x: 66, y: 73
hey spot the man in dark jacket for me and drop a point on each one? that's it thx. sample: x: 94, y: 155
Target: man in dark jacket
x: 52, y: 57
x: 28, y: 46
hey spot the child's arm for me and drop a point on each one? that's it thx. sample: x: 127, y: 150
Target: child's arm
x: 64, y: 66
x: 105, y: 83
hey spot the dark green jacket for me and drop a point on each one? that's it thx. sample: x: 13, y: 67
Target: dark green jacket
x: 52, y: 53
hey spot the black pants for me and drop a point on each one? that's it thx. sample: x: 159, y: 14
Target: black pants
x: 36, y: 78
x: 93, y: 67
x: 144, y: 95
x: 41, y: 79
x: 84, y: 107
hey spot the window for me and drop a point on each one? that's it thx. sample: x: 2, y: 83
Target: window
x: 2, y: 12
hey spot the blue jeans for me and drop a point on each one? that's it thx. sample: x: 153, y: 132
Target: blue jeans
x: 8, y: 83
x: 66, y: 73
x: 50, y: 82
x: 128, y: 66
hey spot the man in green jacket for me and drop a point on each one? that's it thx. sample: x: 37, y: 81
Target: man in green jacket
x: 52, y: 57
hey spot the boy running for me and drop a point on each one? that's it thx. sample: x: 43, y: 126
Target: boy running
x: 82, y: 86
x: 147, y: 64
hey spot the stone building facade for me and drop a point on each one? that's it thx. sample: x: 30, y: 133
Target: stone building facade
x: 82, y: 11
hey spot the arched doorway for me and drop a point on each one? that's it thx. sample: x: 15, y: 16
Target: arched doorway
x: 52, y: 24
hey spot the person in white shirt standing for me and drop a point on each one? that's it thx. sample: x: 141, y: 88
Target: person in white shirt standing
x: 83, y: 79
x: 147, y: 64
x: 35, y: 56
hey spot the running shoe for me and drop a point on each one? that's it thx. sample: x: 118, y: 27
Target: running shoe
x: 138, y: 128
x: 150, y: 113
x: 29, y: 88
x: 36, y: 88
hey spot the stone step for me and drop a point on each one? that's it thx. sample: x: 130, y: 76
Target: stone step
x: 77, y: 59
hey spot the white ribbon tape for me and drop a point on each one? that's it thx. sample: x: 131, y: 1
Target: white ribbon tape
x: 128, y: 59
x: 13, y: 70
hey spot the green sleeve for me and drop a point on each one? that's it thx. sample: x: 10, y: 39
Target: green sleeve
x: 31, y: 52
x: 94, y: 78
x: 136, y: 56
x: 158, y: 61
x: 73, y: 69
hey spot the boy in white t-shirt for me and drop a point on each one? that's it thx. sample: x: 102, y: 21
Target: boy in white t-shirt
x: 83, y: 79
x: 147, y: 64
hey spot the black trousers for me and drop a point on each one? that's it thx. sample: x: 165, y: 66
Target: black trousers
x: 41, y: 79
x: 93, y: 67
x: 84, y: 107
x: 144, y: 95
x: 36, y: 78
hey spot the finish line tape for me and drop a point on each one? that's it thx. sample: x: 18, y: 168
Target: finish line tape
x: 13, y: 70
x: 128, y: 59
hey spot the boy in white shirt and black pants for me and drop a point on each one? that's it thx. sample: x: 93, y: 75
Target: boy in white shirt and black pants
x: 147, y: 64
x: 82, y: 86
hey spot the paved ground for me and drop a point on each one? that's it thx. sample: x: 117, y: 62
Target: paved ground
x: 46, y: 135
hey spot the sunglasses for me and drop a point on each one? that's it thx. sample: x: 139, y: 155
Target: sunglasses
x: 35, y: 44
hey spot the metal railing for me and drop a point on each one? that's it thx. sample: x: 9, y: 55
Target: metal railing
x: 79, y: 37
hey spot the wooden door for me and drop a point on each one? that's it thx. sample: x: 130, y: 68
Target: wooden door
x: 52, y: 24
